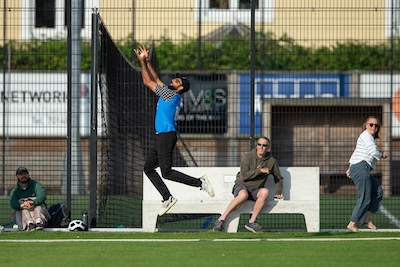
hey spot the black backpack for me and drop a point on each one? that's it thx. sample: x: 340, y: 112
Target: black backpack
x: 60, y: 216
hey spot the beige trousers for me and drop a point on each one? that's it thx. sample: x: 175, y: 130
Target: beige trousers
x: 23, y: 217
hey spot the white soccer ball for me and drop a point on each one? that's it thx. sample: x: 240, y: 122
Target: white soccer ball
x: 76, y: 225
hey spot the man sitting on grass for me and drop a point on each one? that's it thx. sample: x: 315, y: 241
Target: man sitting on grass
x: 28, y: 201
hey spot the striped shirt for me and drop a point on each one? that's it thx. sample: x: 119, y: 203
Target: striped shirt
x: 165, y: 93
x: 366, y: 149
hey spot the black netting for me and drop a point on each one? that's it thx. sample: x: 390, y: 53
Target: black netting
x: 127, y: 110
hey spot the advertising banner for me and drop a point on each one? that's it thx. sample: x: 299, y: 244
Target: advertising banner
x: 35, y: 104
x: 204, y: 106
x: 289, y: 86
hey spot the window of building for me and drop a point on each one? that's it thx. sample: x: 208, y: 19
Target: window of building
x: 45, y: 19
x: 233, y: 11
x: 246, y: 4
x: 219, y: 4
x: 224, y: 4
x: 45, y: 13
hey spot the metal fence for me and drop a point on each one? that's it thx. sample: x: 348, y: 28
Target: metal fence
x: 304, y: 73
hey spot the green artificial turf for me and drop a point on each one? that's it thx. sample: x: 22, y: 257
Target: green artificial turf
x: 41, y: 248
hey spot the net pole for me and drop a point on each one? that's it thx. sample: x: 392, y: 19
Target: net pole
x: 5, y: 69
x: 252, y: 74
x: 93, y: 121
x: 69, y: 108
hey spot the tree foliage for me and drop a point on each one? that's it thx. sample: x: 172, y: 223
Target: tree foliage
x: 229, y: 53
x: 43, y: 55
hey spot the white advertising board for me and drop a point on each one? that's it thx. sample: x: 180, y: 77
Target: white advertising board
x: 35, y: 104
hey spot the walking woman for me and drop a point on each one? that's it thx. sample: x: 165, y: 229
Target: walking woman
x: 362, y: 162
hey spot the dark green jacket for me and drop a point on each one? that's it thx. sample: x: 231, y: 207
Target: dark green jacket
x: 34, y: 189
x: 250, y: 174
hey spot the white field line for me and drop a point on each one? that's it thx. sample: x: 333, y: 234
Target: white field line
x: 197, y: 240
x: 393, y: 219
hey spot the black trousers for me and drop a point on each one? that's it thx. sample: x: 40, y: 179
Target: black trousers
x: 161, y: 156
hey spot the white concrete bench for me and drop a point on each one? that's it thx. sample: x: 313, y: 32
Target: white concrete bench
x: 300, y: 188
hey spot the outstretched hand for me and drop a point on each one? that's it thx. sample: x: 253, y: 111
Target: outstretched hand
x: 141, y: 53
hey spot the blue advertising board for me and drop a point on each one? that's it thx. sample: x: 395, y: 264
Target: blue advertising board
x: 291, y: 86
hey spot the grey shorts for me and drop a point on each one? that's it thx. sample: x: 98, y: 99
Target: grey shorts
x: 251, y: 191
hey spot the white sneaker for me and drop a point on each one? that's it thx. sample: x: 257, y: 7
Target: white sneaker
x: 206, y: 185
x: 279, y: 197
x: 167, y: 204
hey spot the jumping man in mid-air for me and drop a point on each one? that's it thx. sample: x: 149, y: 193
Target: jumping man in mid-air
x: 168, y: 105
